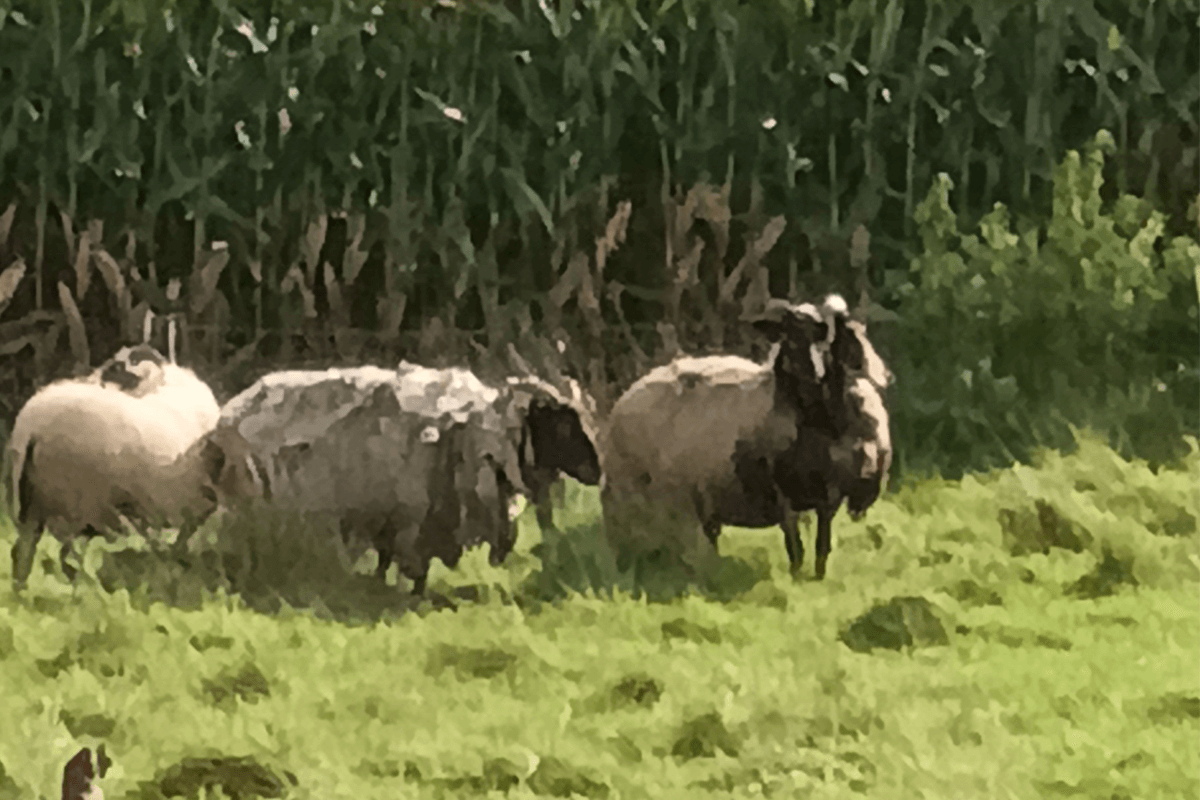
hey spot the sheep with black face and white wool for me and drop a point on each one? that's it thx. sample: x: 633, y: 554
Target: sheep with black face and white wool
x: 124, y: 440
x: 558, y: 436
x: 722, y: 440
x: 415, y: 462
x: 821, y: 468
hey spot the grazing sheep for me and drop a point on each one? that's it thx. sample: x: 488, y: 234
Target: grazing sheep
x: 416, y: 462
x: 86, y: 451
x: 721, y: 440
x: 558, y: 436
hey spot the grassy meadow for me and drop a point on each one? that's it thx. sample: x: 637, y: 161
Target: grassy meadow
x: 1033, y: 632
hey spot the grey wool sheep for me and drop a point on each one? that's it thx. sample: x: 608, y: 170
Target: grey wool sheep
x: 722, y: 440
x: 415, y: 462
x: 122, y: 441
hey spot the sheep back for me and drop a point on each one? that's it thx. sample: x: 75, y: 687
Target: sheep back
x: 408, y: 450
x: 675, y: 441
x: 81, y: 450
x: 680, y: 425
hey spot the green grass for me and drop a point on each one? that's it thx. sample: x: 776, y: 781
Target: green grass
x: 1048, y: 647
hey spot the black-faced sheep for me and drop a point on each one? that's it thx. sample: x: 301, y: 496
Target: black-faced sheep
x: 722, y: 440
x: 85, y: 452
x: 416, y: 462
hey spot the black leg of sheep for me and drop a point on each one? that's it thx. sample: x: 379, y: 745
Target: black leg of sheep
x: 824, y: 538
x: 23, y: 551
x: 791, y: 541
x: 385, y: 561
x: 384, y: 548
x: 68, y: 569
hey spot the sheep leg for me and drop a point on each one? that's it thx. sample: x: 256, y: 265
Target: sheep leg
x: 824, y: 538
x: 544, y: 507
x: 712, y: 529
x: 23, y: 551
x: 383, y: 546
x: 67, y: 550
x: 179, y: 546
x: 68, y: 569
x: 792, y: 541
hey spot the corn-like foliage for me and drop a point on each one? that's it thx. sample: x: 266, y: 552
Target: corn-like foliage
x: 604, y: 183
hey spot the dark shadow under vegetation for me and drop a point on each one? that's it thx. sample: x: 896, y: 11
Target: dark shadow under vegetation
x: 552, y: 777
x: 579, y: 559
x: 345, y: 597
x: 239, y: 778
x: 632, y: 692
x: 703, y: 736
x: 246, y: 684
x: 469, y: 662
x: 1173, y: 708
x: 1104, y: 579
x: 9, y: 790
x: 894, y: 625
x: 98, y: 726
x: 1015, y: 638
x: 269, y: 571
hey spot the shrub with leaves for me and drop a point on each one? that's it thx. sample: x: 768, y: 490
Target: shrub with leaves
x: 1012, y: 332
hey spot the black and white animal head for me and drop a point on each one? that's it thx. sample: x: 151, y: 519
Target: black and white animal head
x: 558, y: 432
x: 136, y: 370
x: 802, y: 333
x: 851, y: 348
x: 79, y: 775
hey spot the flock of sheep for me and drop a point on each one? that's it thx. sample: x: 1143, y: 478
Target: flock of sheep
x: 418, y: 463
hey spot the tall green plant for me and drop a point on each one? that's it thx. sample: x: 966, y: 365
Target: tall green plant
x: 1011, y: 331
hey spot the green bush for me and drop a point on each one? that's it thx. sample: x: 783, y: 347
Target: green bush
x: 1012, y: 333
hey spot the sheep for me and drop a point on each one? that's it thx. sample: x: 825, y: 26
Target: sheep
x: 559, y: 435
x: 140, y: 370
x: 124, y: 440
x: 722, y: 440
x: 79, y: 777
x: 416, y: 462
x: 821, y: 468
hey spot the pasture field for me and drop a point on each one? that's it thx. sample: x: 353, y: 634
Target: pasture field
x: 1033, y: 632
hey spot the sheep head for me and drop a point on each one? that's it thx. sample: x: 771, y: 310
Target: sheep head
x: 558, y: 431
x: 136, y: 370
x: 853, y: 350
x: 230, y: 465
x: 801, y: 362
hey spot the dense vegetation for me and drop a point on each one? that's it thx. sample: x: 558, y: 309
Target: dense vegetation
x: 333, y: 182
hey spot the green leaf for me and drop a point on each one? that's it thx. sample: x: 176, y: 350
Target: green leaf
x: 525, y: 197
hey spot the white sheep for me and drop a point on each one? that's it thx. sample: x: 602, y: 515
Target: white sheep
x: 86, y: 451
x: 141, y: 370
x: 721, y: 440
x: 415, y: 462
